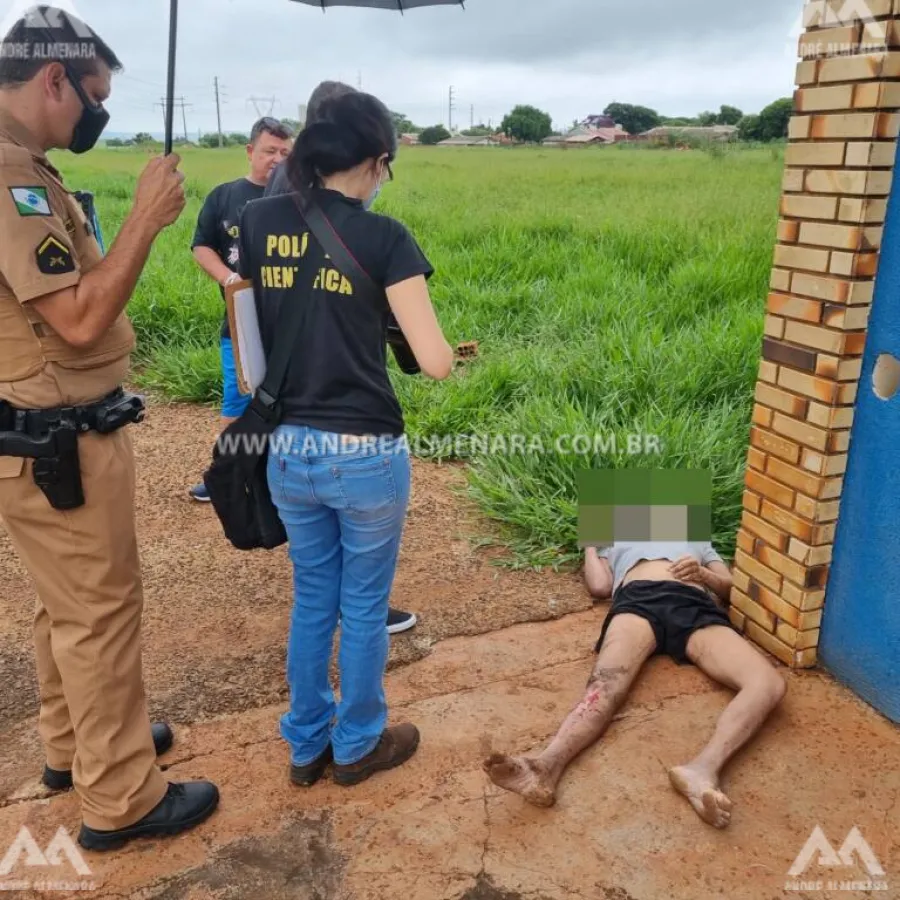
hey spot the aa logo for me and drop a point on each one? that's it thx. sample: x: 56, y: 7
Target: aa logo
x: 855, y: 848
x: 63, y: 12
x: 60, y: 849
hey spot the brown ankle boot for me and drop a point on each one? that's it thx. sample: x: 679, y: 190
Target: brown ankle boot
x: 397, y: 746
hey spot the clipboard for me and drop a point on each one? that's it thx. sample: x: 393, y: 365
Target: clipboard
x: 246, y: 337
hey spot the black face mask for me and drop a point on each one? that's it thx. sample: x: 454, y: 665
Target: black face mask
x: 92, y: 123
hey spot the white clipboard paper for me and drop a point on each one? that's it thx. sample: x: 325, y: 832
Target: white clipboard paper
x: 243, y: 321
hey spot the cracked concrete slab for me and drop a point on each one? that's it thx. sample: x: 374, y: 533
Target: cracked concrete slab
x: 438, y: 830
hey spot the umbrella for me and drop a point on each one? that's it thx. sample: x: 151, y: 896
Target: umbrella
x: 398, y: 5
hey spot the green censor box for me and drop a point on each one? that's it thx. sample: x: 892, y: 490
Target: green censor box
x: 637, y: 505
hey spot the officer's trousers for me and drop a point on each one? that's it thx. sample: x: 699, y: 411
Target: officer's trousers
x: 85, y: 567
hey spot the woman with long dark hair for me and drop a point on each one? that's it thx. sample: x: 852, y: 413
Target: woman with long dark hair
x: 339, y: 467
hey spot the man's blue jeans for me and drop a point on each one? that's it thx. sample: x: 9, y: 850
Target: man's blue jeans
x: 344, y: 507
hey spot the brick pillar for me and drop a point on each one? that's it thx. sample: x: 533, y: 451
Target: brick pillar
x: 838, y: 170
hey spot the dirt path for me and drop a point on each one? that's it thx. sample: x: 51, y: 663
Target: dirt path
x: 215, y: 621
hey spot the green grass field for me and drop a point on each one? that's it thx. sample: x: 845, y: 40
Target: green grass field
x: 613, y: 291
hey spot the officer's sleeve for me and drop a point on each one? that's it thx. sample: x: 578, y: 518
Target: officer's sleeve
x: 207, y: 223
x: 36, y: 254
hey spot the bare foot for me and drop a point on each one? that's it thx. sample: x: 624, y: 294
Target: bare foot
x: 521, y: 776
x: 703, y: 793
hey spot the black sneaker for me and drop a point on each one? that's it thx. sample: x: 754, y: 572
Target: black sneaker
x: 61, y: 779
x: 185, y: 805
x: 399, y: 621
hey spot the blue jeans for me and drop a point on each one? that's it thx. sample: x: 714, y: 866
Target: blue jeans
x: 344, y: 510
x: 234, y: 403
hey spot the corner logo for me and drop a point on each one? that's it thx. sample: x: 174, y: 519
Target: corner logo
x: 63, y: 11
x: 854, y: 852
x: 834, y: 15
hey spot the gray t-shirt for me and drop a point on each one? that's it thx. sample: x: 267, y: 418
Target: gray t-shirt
x: 625, y: 556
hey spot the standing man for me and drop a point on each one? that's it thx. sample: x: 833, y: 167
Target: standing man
x: 66, y: 462
x: 217, y: 241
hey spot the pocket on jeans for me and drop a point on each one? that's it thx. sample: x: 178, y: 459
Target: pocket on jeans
x: 367, y: 485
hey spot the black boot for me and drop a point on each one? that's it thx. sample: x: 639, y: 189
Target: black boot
x: 185, y: 805
x: 61, y: 779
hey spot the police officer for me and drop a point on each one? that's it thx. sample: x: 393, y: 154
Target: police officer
x: 66, y: 464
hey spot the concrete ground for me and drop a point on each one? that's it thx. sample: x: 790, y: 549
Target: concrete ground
x: 498, y: 660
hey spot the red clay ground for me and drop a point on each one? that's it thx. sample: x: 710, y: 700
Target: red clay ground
x: 436, y: 829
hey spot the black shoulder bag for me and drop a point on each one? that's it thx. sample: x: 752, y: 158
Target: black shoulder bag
x: 237, y: 480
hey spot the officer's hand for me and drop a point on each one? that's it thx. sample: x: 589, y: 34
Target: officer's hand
x: 160, y: 192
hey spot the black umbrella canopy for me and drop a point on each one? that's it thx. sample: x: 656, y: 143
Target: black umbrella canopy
x: 396, y: 5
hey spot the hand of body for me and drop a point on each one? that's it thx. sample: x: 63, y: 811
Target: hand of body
x: 82, y: 314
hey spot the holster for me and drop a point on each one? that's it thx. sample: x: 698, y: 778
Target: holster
x: 50, y: 438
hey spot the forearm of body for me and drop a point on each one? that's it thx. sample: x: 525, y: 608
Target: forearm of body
x: 209, y: 261
x: 81, y: 315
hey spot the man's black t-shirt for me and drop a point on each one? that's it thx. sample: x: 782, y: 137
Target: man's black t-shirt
x: 337, y: 380
x: 218, y: 226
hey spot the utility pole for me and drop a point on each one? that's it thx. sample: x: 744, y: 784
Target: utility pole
x: 219, y: 113
x: 450, y: 108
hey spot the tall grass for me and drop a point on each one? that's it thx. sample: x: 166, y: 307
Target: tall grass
x: 612, y: 292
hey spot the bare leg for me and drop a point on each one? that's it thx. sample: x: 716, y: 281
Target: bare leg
x: 628, y: 644
x: 729, y: 659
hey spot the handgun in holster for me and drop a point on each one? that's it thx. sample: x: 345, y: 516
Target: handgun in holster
x: 396, y: 339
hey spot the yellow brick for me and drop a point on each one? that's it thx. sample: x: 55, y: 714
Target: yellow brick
x: 800, y: 383
x: 866, y: 154
x: 807, y: 72
x: 799, y: 128
x: 738, y: 619
x: 788, y: 231
x: 773, y: 326
x: 794, y: 477
x: 752, y: 610
x: 829, y: 42
x: 781, y: 280
x: 768, y: 371
x: 757, y: 570
x: 769, y: 643
x: 764, y: 530
x: 814, y: 336
x: 804, y: 600
x: 824, y: 99
x: 850, y: 68
x: 849, y: 125
x: 834, y: 290
x: 836, y: 181
x: 781, y: 400
x: 841, y: 237
x: 849, y: 370
x: 800, y: 206
x: 792, y: 180
x: 801, y: 258
x: 772, y: 443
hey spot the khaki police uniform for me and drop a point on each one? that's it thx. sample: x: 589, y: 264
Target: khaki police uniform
x: 84, y: 562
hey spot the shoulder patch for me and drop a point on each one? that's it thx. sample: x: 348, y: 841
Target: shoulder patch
x: 54, y: 257
x: 31, y: 201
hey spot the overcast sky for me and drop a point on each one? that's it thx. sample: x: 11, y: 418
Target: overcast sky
x: 569, y: 57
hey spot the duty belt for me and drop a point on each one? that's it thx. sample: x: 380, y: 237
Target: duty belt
x: 50, y: 438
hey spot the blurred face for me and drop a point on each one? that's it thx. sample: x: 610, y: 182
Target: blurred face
x: 265, y: 155
x: 64, y: 108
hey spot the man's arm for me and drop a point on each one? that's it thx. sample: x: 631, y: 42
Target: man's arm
x: 82, y: 314
x: 598, y: 574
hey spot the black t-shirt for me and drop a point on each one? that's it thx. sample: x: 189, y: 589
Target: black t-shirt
x: 218, y: 226
x: 337, y: 380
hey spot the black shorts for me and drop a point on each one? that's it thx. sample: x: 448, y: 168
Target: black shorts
x: 674, y: 610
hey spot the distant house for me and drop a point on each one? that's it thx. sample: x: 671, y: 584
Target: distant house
x: 667, y: 134
x: 587, y: 135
